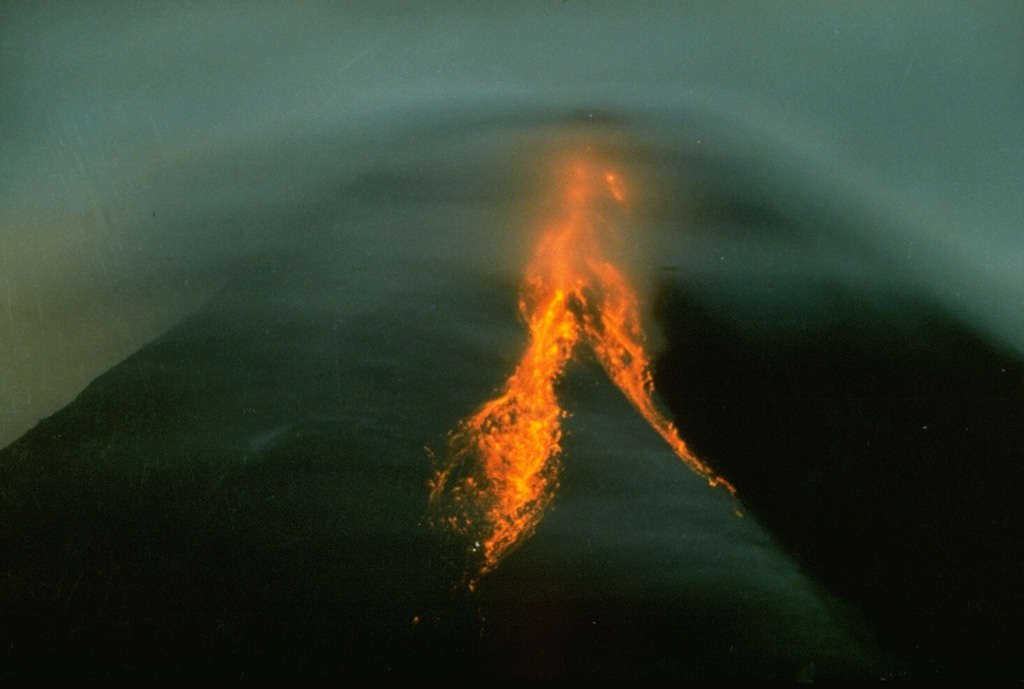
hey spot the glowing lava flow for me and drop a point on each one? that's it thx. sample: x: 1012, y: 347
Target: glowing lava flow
x: 503, y: 462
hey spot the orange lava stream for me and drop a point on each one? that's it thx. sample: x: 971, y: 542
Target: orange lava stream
x: 503, y: 462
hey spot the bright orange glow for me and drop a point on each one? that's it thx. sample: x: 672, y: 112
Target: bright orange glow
x: 503, y: 464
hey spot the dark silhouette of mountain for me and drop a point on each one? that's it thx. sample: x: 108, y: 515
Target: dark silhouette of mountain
x: 880, y: 445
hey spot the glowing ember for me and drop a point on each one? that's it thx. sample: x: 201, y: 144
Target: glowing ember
x: 503, y: 463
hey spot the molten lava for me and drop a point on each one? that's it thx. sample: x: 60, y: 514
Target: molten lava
x: 503, y: 461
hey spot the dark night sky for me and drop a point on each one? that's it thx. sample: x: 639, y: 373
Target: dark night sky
x: 256, y: 259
